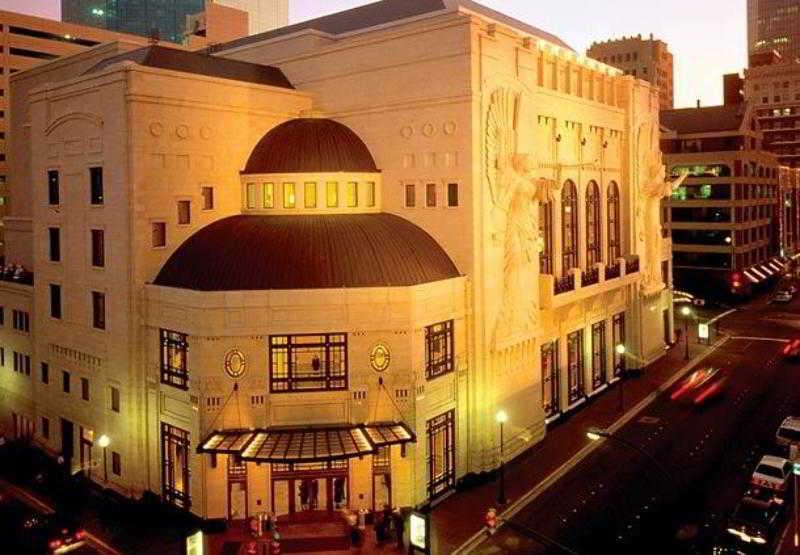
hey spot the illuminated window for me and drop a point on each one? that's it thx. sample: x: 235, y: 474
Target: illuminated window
x: 251, y: 195
x: 592, y: 224
x: 268, y: 198
x: 550, y: 383
x: 613, y: 222
x: 308, y: 362
x: 332, y: 194
x: 546, y: 233
x: 175, y: 465
x: 370, y: 194
x: 575, y: 386
x: 598, y: 354
x: 352, y: 194
x: 288, y: 195
x: 441, y: 435
x: 439, y: 355
x: 569, y: 227
x: 173, y: 359
x: 310, y: 195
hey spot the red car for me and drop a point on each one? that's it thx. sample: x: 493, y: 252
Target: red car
x: 792, y: 349
x: 701, y: 386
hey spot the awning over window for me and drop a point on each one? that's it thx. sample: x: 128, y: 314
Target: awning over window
x: 309, y: 444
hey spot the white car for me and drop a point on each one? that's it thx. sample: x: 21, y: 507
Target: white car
x: 782, y: 297
x: 773, y: 473
x: 788, y: 433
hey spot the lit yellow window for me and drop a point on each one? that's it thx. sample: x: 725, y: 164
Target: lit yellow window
x: 352, y: 194
x: 269, y: 195
x: 370, y: 194
x: 332, y: 194
x: 288, y: 195
x: 310, y: 195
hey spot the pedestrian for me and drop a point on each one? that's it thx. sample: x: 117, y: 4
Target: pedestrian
x: 399, y: 528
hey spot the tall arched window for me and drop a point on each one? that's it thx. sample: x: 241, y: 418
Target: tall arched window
x: 614, y: 240
x: 569, y: 227
x: 546, y: 233
x: 593, y: 255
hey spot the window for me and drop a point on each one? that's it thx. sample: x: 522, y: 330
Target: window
x: 114, y: 399
x: 184, y: 212
x: 116, y: 463
x: 411, y: 195
x: 85, y: 389
x: 55, y: 244
x: 452, y: 195
x: 208, y: 198
x: 592, y: 224
x: 250, y: 195
x: 289, y: 199
x: 99, y: 310
x: 98, y: 248
x: 45, y: 427
x: 65, y: 383
x: 430, y: 195
x: 332, y: 194
x: 550, y: 384
x: 441, y: 434
x: 310, y: 195
x: 569, y: 227
x: 439, y: 349
x: 45, y: 373
x: 175, y: 465
x: 2, y: 316
x: 614, y: 250
x: 96, y: 185
x: 20, y: 320
x: 2, y: 356
x: 370, y: 194
x: 352, y: 194
x: 618, y: 338
x: 159, y: 234
x: 53, y: 193
x: 546, y: 233
x: 55, y: 300
x: 308, y: 362
x: 173, y: 359
x: 598, y: 354
x: 268, y: 200
x: 575, y: 387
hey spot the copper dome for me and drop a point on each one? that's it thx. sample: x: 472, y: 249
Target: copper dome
x: 310, y: 145
x: 251, y: 252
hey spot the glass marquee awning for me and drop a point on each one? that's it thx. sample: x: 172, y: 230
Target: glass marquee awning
x: 306, y: 444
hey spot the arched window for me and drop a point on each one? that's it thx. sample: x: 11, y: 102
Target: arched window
x: 546, y: 234
x: 569, y: 227
x: 614, y: 241
x: 593, y: 255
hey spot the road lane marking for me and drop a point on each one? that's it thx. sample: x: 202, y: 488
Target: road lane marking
x: 747, y: 338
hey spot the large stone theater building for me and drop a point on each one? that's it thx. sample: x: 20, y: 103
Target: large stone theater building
x: 306, y: 270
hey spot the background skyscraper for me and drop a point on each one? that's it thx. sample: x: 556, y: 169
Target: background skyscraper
x: 774, y: 25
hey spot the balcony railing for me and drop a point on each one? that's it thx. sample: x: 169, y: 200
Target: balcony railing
x: 564, y: 284
x: 613, y: 271
x: 590, y: 277
x: 632, y: 264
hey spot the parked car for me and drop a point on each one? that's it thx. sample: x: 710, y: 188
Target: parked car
x: 782, y: 297
x: 701, y: 386
x: 757, y: 518
x: 788, y: 433
x: 54, y: 534
x: 773, y: 473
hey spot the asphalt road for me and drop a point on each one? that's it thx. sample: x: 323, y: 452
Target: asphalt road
x: 618, y: 501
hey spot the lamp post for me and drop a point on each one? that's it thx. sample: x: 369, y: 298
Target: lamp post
x: 620, y: 350
x: 686, y: 312
x: 595, y: 434
x: 104, y: 441
x: 502, y: 417
x: 796, y: 475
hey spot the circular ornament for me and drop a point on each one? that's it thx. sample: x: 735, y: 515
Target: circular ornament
x: 235, y: 364
x: 205, y: 132
x: 406, y: 132
x: 156, y: 129
x: 182, y: 131
x: 428, y: 129
x: 379, y: 357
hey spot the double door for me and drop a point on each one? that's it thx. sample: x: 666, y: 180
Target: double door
x: 309, y: 493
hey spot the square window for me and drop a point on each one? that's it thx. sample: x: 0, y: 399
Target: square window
x: 208, y: 198
x: 159, y: 234
x: 116, y: 463
x: 332, y: 194
x: 430, y: 195
x: 411, y: 195
x: 269, y: 196
x: 452, y: 195
x: 85, y: 389
x: 65, y: 381
x: 55, y: 300
x: 96, y: 183
x: 45, y: 370
x: 184, y: 212
x: 99, y: 310
x: 55, y: 244
x: 352, y: 194
x: 289, y: 199
x: 310, y: 195
x: 53, y: 192
x: 115, y: 399
x: 98, y: 248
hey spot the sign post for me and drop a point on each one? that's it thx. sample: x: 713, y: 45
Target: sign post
x: 419, y: 532
x: 702, y: 333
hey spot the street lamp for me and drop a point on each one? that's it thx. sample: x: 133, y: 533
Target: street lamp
x: 620, y: 350
x: 686, y: 312
x: 729, y: 241
x: 595, y: 434
x: 104, y: 441
x: 501, y: 417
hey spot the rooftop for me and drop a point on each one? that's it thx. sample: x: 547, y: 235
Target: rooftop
x: 711, y: 119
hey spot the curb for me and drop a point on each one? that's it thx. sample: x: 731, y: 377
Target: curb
x: 479, y: 537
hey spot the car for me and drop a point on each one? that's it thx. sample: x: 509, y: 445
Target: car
x: 773, y: 473
x: 792, y: 349
x: 53, y: 534
x: 782, y: 297
x: 756, y: 520
x: 788, y: 433
x: 701, y: 386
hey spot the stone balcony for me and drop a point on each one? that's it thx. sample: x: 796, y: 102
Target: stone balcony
x: 579, y: 284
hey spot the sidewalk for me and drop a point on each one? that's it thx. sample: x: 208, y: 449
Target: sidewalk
x: 460, y: 516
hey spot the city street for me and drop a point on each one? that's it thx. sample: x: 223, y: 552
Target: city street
x: 617, y: 500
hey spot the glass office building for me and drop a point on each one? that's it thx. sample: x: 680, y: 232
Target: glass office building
x: 774, y: 25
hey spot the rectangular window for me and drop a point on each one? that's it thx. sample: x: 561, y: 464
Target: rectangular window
x: 546, y: 235
x: 332, y: 194
x: 411, y: 195
x: 369, y: 194
x: 173, y: 359
x: 598, y: 354
x: 430, y: 195
x: 310, y: 195
x: 618, y: 338
x: 65, y: 381
x: 175, y: 465
x: 575, y: 385
x: 439, y: 357
x: 289, y: 195
x: 2, y: 316
x: 308, y: 362
x: 20, y: 320
x: 45, y: 370
x: 55, y: 244
x: 352, y: 194
x: 268, y: 200
x: 441, y: 435
x: 184, y: 212
x: 116, y: 463
x: 45, y: 427
x: 452, y: 195
x: 96, y: 184
x: 99, y: 310
x: 250, y: 194
x: 159, y: 234
x: 53, y: 193
x: 208, y: 198
x: 55, y: 300
x: 85, y: 389
x: 550, y: 383
x: 98, y: 248
x: 114, y: 399
x: 2, y: 356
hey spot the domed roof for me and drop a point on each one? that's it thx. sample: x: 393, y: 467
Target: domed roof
x: 310, y: 145
x: 254, y: 252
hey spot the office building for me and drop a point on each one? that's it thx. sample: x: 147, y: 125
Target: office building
x: 264, y: 15
x: 648, y: 59
x: 774, y: 25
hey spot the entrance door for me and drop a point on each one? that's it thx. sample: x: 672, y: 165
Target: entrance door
x: 67, y: 442
x: 309, y: 487
x: 237, y: 489
x: 381, y: 479
x: 87, y: 441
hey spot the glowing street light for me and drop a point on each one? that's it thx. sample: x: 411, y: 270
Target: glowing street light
x: 501, y: 417
x: 686, y: 312
x: 104, y: 441
x: 619, y: 370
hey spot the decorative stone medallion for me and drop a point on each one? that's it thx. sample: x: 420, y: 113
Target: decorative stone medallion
x: 235, y: 364
x: 379, y: 357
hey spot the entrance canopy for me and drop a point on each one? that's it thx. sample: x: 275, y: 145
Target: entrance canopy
x: 307, y: 444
